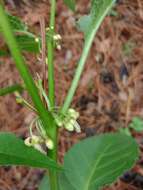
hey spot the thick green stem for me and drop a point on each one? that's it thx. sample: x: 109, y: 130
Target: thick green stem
x: 51, y: 88
x: 45, y: 116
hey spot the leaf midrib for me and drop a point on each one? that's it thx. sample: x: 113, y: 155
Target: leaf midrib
x: 106, y: 174
x: 96, y: 165
x: 94, y: 168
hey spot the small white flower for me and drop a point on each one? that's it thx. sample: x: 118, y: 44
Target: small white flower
x: 47, y: 29
x: 72, y: 121
x: 28, y: 141
x: 39, y: 148
x: 73, y: 113
x: 57, y: 37
x: 69, y: 127
x: 77, y: 127
x: 59, y: 47
x: 37, y: 40
x: 36, y: 139
x: 49, y: 144
x: 33, y: 140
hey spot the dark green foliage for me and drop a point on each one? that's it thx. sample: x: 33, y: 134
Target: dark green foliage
x: 98, y: 161
x: 13, y: 151
x: 44, y: 184
x: 10, y: 89
x: 70, y: 4
x: 28, y: 43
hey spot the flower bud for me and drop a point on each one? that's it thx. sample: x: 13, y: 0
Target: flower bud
x: 37, y: 40
x: 49, y: 144
x: 58, y: 47
x: 39, y: 148
x: 57, y: 37
x: 69, y: 127
x: 19, y: 100
x: 28, y: 141
x: 77, y: 127
x: 58, y: 122
x: 35, y: 139
x: 72, y: 121
x: 73, y: 113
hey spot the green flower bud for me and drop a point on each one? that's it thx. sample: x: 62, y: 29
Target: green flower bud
x: 58, y: 122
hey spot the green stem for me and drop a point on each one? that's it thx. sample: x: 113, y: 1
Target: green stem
x: 88, y: 42
x: 78, y: 72
x: 10, y: 89
x: 51, y: 87
x: 45, y: 116
x: 50, y: 46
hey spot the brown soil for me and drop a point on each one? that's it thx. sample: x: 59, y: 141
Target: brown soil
x: 110, y: 91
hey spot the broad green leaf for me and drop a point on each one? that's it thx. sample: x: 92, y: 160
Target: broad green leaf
x: 84, y: 23
x: 44, y: 184
x: 125, y: 130
x: 70, y: 4
x: 64, y: 183
x: 99, y: 9
x: 16, y: 23
x: 136, y: 124
x: 98, y: 161
x: 13, y: 151
x: 26, y: 40
x: 10, y: 89
x: 28, y: 43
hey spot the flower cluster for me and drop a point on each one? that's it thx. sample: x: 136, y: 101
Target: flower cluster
x: 40, y: 140
x: 55, y: 37
x: 68, y: 121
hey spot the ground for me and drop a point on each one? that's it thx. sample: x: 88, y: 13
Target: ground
x: 110, y: 91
